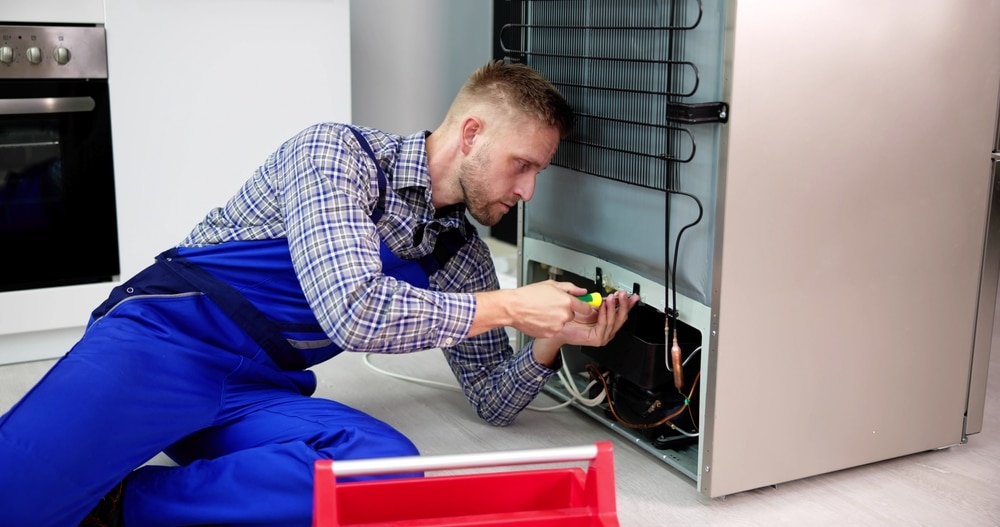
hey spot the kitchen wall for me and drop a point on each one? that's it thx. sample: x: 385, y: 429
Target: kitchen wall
x: 201, y: 93
x: 408, y: 60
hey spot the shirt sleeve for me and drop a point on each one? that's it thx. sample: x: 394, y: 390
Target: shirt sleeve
x: 497, y: 382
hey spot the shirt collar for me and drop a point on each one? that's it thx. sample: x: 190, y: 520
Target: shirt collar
x: 411, y: 173
x: 411, y: 165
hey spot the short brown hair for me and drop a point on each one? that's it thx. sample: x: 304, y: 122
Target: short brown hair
x: 522, y: 89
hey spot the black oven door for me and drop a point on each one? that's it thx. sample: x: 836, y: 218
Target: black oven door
x: 58, y: 224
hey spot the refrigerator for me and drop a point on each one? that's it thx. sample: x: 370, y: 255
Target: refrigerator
x: 804, y: 194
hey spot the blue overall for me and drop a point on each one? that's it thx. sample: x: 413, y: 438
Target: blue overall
x: 201, y: 356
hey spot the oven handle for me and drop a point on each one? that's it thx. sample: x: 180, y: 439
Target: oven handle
x: 46, y: 105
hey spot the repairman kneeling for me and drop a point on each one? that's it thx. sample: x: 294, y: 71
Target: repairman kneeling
x: 346, y: 238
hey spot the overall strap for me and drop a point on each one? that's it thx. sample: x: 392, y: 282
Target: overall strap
x: 262, y: 330
x: 448, y: 243
x: 380, y: 207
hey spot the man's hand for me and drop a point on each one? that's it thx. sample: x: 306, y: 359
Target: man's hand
x: 551, y: 312
x: 540, y: 309
x: 544, y: 308
x: 596, y: 328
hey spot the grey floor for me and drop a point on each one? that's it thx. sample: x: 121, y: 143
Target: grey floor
x: 955, y: 486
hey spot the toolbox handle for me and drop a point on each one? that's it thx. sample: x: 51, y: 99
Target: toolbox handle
x: 393, y: 465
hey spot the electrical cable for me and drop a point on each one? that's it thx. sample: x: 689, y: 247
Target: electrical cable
x: 693, y: 352
x: 565, y: 377
x: 416, y: 380
x: 576, y: 395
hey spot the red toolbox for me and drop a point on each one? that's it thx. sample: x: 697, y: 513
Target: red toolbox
x: 560, y: 496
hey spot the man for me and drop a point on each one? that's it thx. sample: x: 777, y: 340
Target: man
x: 346, y: 238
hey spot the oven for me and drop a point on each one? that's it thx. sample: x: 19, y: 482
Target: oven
x: 58, y: 223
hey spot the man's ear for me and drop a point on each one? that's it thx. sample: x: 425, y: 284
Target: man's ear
x: 472, y: 127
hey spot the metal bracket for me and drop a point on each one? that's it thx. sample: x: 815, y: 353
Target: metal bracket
x: 695, y: 113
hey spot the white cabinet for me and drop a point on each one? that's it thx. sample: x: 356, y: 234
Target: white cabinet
x: 200, y: 96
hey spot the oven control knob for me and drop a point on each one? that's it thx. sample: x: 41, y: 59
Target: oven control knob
x: 61, y: 55
x: 34, y: 55
x: 6, y: 54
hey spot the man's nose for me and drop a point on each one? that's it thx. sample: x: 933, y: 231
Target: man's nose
x: 525, y: 188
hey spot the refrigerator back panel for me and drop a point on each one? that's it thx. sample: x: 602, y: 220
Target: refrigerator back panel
x: 643, y: 78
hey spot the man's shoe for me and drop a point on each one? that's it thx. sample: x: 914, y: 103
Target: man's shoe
x: 108, y: 512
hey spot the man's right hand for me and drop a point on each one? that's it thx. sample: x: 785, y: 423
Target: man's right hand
x: 543, y: 308
x: 539, y: 310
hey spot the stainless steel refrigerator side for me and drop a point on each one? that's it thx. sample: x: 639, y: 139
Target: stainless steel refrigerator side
x: 709, y: 360
x: 855, y: 193
x: 985, y: 328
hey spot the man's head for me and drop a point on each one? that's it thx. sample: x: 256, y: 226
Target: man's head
x: 501, y: 130
x: 518, y: 89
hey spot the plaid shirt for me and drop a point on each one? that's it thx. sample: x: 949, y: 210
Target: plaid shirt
x: 318, y: 190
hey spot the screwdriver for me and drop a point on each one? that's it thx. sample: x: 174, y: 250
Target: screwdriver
x: 593, y: 299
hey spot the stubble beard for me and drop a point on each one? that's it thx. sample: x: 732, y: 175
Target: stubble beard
x: 472, y: 179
